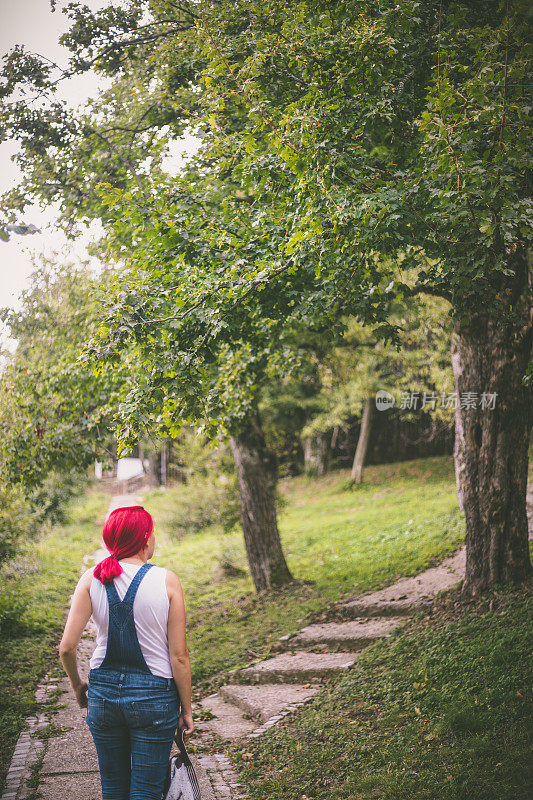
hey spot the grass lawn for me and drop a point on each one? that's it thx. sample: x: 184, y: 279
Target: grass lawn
x: 38, y: 583
x: 442, y: 711
x: 344, y: 541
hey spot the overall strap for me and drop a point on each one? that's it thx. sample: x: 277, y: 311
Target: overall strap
x: 123, y: 651
x: 129, y: 597
x: 112, y: 595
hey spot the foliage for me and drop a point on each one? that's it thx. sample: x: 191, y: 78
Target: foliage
x: 50, y: 411
x: 351, y: 159
x: 200, y: 457
x: 16, y: 520
x: 362, y: 363
x: 401, y: 131
x: 203, y: 502
x: 22, y: 230
x: 51, y: 498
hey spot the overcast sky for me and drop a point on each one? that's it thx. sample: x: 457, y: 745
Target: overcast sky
x: 31, y: 23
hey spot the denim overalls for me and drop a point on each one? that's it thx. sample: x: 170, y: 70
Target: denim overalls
x: 132, y: 714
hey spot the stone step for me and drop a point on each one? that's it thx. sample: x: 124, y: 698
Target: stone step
x: 228, y: 721
x: 263, y: 701
x: 299, y: 667
x: 353, y: 635
x: 409, y: 594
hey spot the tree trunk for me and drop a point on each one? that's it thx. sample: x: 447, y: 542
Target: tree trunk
x: 141, y: 458
x: 362, y: 442
x: 458, y: 448
x: 153, y: 473
x: 257, y: 479
x: 492, y: 448
x: 316, y: 451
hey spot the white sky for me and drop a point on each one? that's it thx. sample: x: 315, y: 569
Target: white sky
x: 32, y: 24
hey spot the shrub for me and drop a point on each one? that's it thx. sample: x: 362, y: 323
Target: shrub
x: 12, y: 606
x: 203, y: 502
x: 14, y: 576
x: 50, y: 499
x: 16, y: 520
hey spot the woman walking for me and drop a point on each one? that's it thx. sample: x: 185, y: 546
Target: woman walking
x: 139, y: 686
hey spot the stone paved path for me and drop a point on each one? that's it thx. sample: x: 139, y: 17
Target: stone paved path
x: 66, y: 763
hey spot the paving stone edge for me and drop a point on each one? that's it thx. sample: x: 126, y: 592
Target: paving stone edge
x: 28, y: 749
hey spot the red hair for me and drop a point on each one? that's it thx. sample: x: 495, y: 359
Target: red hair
x: 125, y: 532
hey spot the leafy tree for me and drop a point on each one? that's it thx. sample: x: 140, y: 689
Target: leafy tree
x: 361, y: 364
x: 50, y: 408
x: 186, y: 358
x: 401, y: 130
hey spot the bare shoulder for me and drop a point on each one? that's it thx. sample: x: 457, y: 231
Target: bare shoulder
x: 172, y: 581
x: 85, y: 580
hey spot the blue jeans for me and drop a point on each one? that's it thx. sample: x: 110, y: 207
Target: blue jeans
x: 132, y: 718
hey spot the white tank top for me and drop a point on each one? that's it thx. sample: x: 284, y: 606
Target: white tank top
x: 150, y: 611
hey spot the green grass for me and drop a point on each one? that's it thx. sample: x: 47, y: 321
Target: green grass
x: 37, y: 585
x: 343, y: 540
x: 441, y: 711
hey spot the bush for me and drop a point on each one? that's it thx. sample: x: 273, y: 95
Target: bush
x: 204, y: 502
x: 16, y: 520
x: 50, y: 499
x: 14, y: 575
x: 12, y: 607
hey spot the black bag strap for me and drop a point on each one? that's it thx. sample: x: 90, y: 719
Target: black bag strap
x: 178, y: 738
x: 193, y: 780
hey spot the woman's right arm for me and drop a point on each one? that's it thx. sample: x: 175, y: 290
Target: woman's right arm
x: 178, y: 650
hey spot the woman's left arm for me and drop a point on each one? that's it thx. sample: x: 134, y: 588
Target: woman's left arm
x: 78, y: 617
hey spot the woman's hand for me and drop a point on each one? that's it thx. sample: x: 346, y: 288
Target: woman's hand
x: 81, y: 694
x: 186, y: 724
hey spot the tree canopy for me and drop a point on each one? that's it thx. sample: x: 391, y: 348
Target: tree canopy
x: 354, y: 155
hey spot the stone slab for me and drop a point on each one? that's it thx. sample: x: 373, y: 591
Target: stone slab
x: 265, y: 700
x: 71, y: 787
x: 228, y: 721
x: 72, y: 752
x: 409, y: 594
x: 299, y: 667
x: 206, y: 790
x: 354, y: 634
x: 71, y: 716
